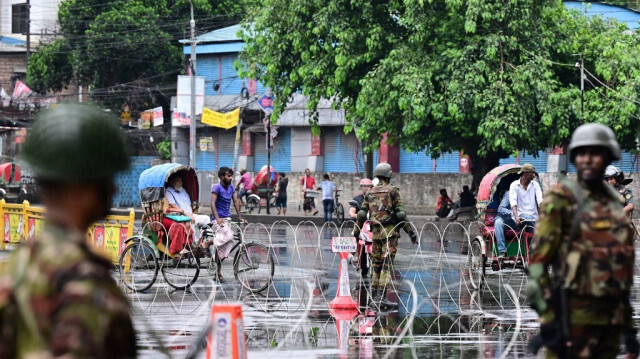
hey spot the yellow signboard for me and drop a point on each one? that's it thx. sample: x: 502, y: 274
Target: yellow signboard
x: 223, y: 120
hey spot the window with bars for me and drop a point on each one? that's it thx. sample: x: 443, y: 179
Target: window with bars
x: 19, y: 19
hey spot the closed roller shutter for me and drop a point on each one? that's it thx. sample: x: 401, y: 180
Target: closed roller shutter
x: 539, y: 162
x: 627, y: 162
x: 226, y: 142
x: 415, y: 162
x: 280, y: 153
x: 205, y: 160
x: 339, y: 150
x: 448, y: 163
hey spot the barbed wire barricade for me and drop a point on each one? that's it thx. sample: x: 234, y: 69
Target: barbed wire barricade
x: 440, y: 307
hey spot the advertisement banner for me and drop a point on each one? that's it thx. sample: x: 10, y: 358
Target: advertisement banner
x: 158, y: 117
x: 180, y: 119
x: 184, y: 94
x: 223, y: 120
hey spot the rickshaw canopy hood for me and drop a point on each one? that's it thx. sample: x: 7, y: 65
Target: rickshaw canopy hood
x: 490, y: 182
x: 152, y: 181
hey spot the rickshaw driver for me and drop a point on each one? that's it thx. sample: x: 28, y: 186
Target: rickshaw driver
x: 525, y: 196
x: 222, y: 194
x: 384, y: 206
x: 57, y: 297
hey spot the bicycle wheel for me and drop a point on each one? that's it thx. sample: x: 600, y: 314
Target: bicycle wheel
x: 253, y: 267
x: 138, y: 266
x: 182, y: 271
x: 340, y: 213
x: 252, y: 204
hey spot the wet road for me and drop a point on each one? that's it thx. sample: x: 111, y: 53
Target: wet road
x: 439, y: 314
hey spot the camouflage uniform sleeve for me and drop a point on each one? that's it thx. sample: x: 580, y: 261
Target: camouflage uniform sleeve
x: 92, y: 317
x: 549, y: 233
x: 397, y: 202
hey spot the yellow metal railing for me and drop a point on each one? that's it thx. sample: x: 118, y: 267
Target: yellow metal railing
x: 21, y: 223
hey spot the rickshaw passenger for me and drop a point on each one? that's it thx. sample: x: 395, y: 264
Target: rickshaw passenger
x: 178, y: 201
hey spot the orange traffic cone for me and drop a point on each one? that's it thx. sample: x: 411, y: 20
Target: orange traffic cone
x: 343, y: 298
x: 226, y: 337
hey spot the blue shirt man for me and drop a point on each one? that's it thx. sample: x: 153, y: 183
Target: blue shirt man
x: 505, y: 218
x: 328, y: 187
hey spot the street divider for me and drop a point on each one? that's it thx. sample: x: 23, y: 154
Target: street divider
x: 22, y: 223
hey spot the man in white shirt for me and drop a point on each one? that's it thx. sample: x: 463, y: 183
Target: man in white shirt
x: 525, y: 196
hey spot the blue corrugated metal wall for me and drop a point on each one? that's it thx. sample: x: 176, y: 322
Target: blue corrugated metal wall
x: 627, y: 163
x: 280, y: 154
x: 339, y: 150
x: 231, y: 83
x: 539, y: 162
x: 208, y: 67
x: 448, y: 163
x: 411, y: 162
x: 127, y: 182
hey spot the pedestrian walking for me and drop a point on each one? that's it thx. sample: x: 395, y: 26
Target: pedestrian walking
x: 281, y: 200
x: 328, y: 189
x: 584, y: 235
x: 57, y: 297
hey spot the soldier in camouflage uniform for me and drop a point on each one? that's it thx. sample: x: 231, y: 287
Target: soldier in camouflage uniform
x: 57, y: 297
x: 615, y: 177
x: 584, y: 235
x: 383, y: 205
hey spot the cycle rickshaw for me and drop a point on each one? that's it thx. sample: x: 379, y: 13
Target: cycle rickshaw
x: 170, y: 250
x: 263, y: 193
x: 483, y: 249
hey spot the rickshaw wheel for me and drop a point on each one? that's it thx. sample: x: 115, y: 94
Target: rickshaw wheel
x: 182, y: 272
x: 476, y: 264
x: 253, y: 267
x: 138, y: 266
x: 252, y: 204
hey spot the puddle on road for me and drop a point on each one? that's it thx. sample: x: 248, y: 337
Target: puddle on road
x: 291, y: 318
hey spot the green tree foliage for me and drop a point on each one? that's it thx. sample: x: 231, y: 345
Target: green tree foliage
x: 488, y: 77
x: 126, y: 51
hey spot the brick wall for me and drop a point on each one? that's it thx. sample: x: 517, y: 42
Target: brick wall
x: 8, y: 61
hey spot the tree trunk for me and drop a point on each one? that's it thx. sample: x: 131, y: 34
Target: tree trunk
x: 480, y: 166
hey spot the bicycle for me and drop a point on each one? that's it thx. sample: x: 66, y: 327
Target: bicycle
x: 252, y: 264
x: 338, y: 209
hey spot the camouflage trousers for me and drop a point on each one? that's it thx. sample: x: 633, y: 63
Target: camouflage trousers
x: 383, y: 253
x: 593, y: 341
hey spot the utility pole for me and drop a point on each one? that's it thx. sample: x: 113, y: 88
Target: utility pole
x: 28, y: 24
x: 268, y: 163
x: 192, y: 65
x: 580, y: 64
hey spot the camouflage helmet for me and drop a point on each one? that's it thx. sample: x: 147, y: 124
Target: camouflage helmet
x: 594, y: 134
x: 75, y: 142
x: 383, y: 169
